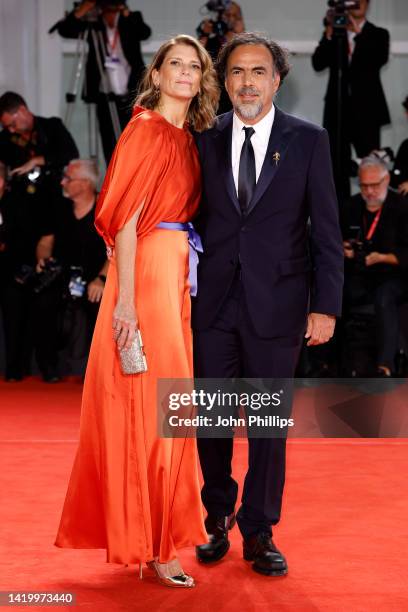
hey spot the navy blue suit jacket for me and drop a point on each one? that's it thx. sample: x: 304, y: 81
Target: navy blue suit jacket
x: 288, y: 265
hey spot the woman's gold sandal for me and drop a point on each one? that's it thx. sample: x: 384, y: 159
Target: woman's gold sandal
x: 171, y: 574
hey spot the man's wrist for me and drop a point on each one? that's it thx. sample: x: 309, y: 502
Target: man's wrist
x: 389, y: 258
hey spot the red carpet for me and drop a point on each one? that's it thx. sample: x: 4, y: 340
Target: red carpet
x: 344, y: 528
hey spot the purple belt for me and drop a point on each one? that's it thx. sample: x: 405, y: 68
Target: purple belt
x: 195, y: 247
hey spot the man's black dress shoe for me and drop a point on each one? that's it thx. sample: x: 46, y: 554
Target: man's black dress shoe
x: 267, y: 559
x: 218, y: 546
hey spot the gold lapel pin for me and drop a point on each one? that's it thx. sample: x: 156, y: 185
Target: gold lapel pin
x: 276, y: 157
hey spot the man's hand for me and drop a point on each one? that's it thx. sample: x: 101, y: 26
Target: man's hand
x: 84, y: 8
x: 95, y: 290
x: 384, y: 258
x: 348, y: 250
x: 124, y: 10
x: 40, y: 265
x: 28, y: 166
x: 374, y: 258
x: 403, y: 188
x: 353, y: 25
x: 320, y: 328
x: 328, y: 32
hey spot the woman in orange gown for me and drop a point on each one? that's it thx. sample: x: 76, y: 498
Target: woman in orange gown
x: 131, y: 492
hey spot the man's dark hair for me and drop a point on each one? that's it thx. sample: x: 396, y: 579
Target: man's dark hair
x: 280, y: 56
x: 10, y: 102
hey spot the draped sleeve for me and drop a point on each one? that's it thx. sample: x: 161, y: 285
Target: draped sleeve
x: 134, y: 174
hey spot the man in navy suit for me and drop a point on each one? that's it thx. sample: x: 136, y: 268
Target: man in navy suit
x: 265, y: 174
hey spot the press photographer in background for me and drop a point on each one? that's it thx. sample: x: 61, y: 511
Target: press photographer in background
x: 355, y: 107
x: 214, y: 31
x: 400, y: 171
x: 22, y: 222
x: 375, y: 230
x: 227, y: 20
x: 33, y: 151
x: 65, y: 311
x: 29, y: 143
x: 122, y: 31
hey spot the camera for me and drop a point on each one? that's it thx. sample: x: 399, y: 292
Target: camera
x: 361, y: 248
x: 104, y: 3
x: 93, y: 14
x: 337, y: 14
x: 35, y: 181
x: 219, y: 27
x: 38, y: 281
x: 217, y: 5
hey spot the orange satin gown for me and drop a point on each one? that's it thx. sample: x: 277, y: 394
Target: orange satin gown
x: 131, y: 492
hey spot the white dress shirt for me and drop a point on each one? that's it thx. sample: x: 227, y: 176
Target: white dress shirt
x: 118, y: 68
x: 259, y: 142
x: 351, y: 42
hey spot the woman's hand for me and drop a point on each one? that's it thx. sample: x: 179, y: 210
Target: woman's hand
x: 124, y: 324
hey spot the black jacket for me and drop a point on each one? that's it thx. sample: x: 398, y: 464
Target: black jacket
x: 53, y: 141
x: 390, y: 236
x: 132, y: 30
x: 271, y: 241
x: 364, y: 96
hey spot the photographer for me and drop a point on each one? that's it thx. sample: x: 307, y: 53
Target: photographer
x: 214, y: 33
x: 28, y: 142
x: 35, y: 149
x: 75, y: 246
x: 119, y: 47
x: 375, y: 229
x: 364, y: 50
x: 24, y: 218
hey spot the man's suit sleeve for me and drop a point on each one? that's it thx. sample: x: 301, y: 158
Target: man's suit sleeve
x: 375, y: 43
x: 71, y: 26
x: 326, y: 240
x: 323, y: 55
x: 140, y: 29
x: 382, y: 48
x: 61, y: 147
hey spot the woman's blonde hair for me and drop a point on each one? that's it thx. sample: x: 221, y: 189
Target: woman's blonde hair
x: 203, y: 107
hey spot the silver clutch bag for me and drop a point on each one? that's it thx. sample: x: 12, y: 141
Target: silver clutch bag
x: 133, y: 359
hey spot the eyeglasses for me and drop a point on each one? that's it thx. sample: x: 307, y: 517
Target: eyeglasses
x: 365, y: 186
x: 69, y: 179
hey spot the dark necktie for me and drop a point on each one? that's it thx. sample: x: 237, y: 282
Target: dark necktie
x: 246, y: 174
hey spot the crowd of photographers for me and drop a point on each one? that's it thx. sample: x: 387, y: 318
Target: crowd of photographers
x: 53, y: 263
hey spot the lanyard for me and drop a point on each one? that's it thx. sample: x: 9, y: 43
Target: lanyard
x: 374, y: 224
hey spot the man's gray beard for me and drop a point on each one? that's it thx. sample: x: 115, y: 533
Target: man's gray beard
x: 377, y: 202
x: 250, y: 111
